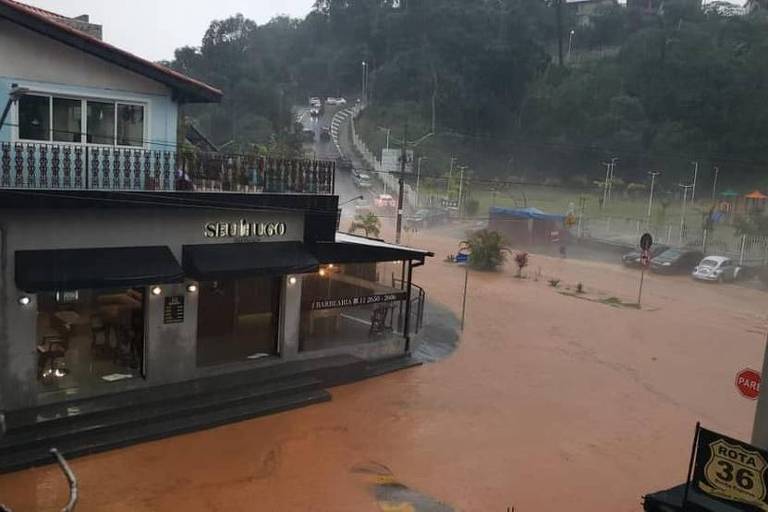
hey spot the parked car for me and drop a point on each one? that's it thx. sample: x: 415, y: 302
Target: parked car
x: 632, y: 258
x: 325, y: 134
x: 676, y: 261
x: 361, y: 179
x: 315, y: 102
x: 425, y: 218
x: 385, y: 201
x: 314, y: 113
x: 330, y: 100
x: 308, y: 135
x: 716, y: 268
x: 344, y: 164
x: 362, y: 207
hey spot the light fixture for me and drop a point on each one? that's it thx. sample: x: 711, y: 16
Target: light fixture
x: 24, y: 300
x: 322, y: 272
x: 157, y: 290
x: 292, y: 280
x: 191, y: 288
x: 330, y: 265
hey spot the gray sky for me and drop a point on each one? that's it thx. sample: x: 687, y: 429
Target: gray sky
x: 153, y: 29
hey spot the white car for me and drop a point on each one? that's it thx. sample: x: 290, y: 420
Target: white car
x: 330, y: 100
x: 315, y: 102
x: 716, y: 268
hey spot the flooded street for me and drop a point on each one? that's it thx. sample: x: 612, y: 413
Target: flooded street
x: 551, y: 400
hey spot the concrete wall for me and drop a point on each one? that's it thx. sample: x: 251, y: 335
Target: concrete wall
x: 47, y: 66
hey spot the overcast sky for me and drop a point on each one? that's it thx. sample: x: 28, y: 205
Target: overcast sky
x: 153, y: 29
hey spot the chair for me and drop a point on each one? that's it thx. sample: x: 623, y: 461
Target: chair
x: 379, y: 324
x: 99, y: 327
x: 51, y: 356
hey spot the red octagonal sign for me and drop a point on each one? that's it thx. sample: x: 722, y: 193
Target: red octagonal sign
x: 748, y: 382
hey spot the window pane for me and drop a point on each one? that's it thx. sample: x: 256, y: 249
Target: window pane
x: 101, y: 123
x: 67, y: 120
x: 34, y: 117
x: 130, y: 125
x: 86, y: 338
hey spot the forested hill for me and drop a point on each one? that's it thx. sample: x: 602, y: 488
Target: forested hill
x: 656, y: 89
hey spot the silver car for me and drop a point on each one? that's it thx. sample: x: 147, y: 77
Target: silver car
x: 716, y: 268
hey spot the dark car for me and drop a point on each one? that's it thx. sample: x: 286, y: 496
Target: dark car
x: 676, y: 261
x: 426, y: 218
x: 344, y: 164
x: 325, y: 134
x: 632, y: 259
x: 308, y: 135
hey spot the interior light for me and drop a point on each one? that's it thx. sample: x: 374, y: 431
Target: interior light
x: 192, y: 288
x: 322, y: 272
x: 292, y: 280
x: 330, y: 265
x: 24, y: 300
x: 157, y: 290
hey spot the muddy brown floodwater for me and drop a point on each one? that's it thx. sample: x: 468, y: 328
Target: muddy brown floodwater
x: 552, y: 401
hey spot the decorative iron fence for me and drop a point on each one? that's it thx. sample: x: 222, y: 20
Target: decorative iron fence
x: 62, y: 166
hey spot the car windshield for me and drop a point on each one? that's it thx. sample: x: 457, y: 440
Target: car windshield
x: 709, y: 263
x: 669, y: 254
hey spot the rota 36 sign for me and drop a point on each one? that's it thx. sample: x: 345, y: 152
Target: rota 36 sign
x: 730, y: 470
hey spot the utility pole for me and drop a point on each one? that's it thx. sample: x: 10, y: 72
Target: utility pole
x: 650, y: 199
x: 695, y: 175
x: 682, y: 216
x: 610, y: 180
x: 403, y: 158
x: 605, y: 183
x: 714, y: 185
x: 559, y: 25
x: 461, y: 189
x: 418, y: 178
x: 364, y: 98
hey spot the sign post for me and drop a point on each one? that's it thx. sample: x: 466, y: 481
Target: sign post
x: 462, y: 258
x: 646, y: 241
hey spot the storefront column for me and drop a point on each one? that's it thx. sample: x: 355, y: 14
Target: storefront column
x: 290, y: 315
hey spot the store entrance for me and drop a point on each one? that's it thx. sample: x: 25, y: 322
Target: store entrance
x: 237, y: 320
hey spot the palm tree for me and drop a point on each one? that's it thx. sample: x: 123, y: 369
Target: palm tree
x: 368, y: 222
x: 488, y: 250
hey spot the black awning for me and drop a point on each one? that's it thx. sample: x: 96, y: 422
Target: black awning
x: 225, y: 261
x: 354, y: 249
x: 72, y: 269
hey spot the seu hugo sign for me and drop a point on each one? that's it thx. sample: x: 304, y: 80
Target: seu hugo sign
x: 244, y: 228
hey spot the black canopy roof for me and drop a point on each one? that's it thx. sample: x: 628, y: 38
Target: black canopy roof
x: 71, y: 269
x: 223, y: 261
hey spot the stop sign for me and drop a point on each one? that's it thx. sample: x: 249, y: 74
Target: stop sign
x: 748, y: 383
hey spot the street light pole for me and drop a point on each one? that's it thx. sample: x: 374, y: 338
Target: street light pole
x: 610, y: 181
x: 650, y: 199
x: 695, y: 175
x: 418, y: 178
x: 461, y: 189
x: 364, y: 99
x: 570, y: 43
x: 714, y: 185
x: 605, y: 183
x: 682, y: 216
x: 403, y: 157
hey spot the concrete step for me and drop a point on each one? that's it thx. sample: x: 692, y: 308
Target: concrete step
x: 128, y: 434
x: 385, y: 366
x: 52, y: 433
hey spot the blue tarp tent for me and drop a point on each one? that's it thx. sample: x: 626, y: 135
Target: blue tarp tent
x: 527, y: 226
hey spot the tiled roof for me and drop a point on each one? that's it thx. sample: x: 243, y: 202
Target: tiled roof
x: 50, y: 24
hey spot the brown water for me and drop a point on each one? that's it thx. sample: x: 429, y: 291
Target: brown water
x: 549, y: 402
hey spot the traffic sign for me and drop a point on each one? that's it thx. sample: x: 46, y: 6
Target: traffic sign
x: 462, y: 257
x: 748, y: 383
x: 645, y: 258
x: 646, y: 241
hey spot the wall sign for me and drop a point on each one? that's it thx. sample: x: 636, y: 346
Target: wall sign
x: 244, y: 228
x: 173, y: 310
x: 342, y: 302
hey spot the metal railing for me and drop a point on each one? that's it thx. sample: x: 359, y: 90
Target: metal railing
x: 79, y: 167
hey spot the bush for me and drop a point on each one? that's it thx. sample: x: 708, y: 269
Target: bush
x: 488, y: 251
x: 471, y: 206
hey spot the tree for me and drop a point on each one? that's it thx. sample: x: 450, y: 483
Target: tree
x: 487, y: 250
x: 367, y: 222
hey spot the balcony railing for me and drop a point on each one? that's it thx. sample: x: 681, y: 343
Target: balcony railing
x: 79, y: 167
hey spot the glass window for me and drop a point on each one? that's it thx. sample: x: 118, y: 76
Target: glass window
x: 34, y: 117
x: 89, y: 337
x: 101, y: 123
x: 351, y: 304
x: 130, y: 125
x: 237, y: 320
x: 67, y: 120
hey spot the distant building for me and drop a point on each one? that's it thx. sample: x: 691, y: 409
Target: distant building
x: 585, y: 10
